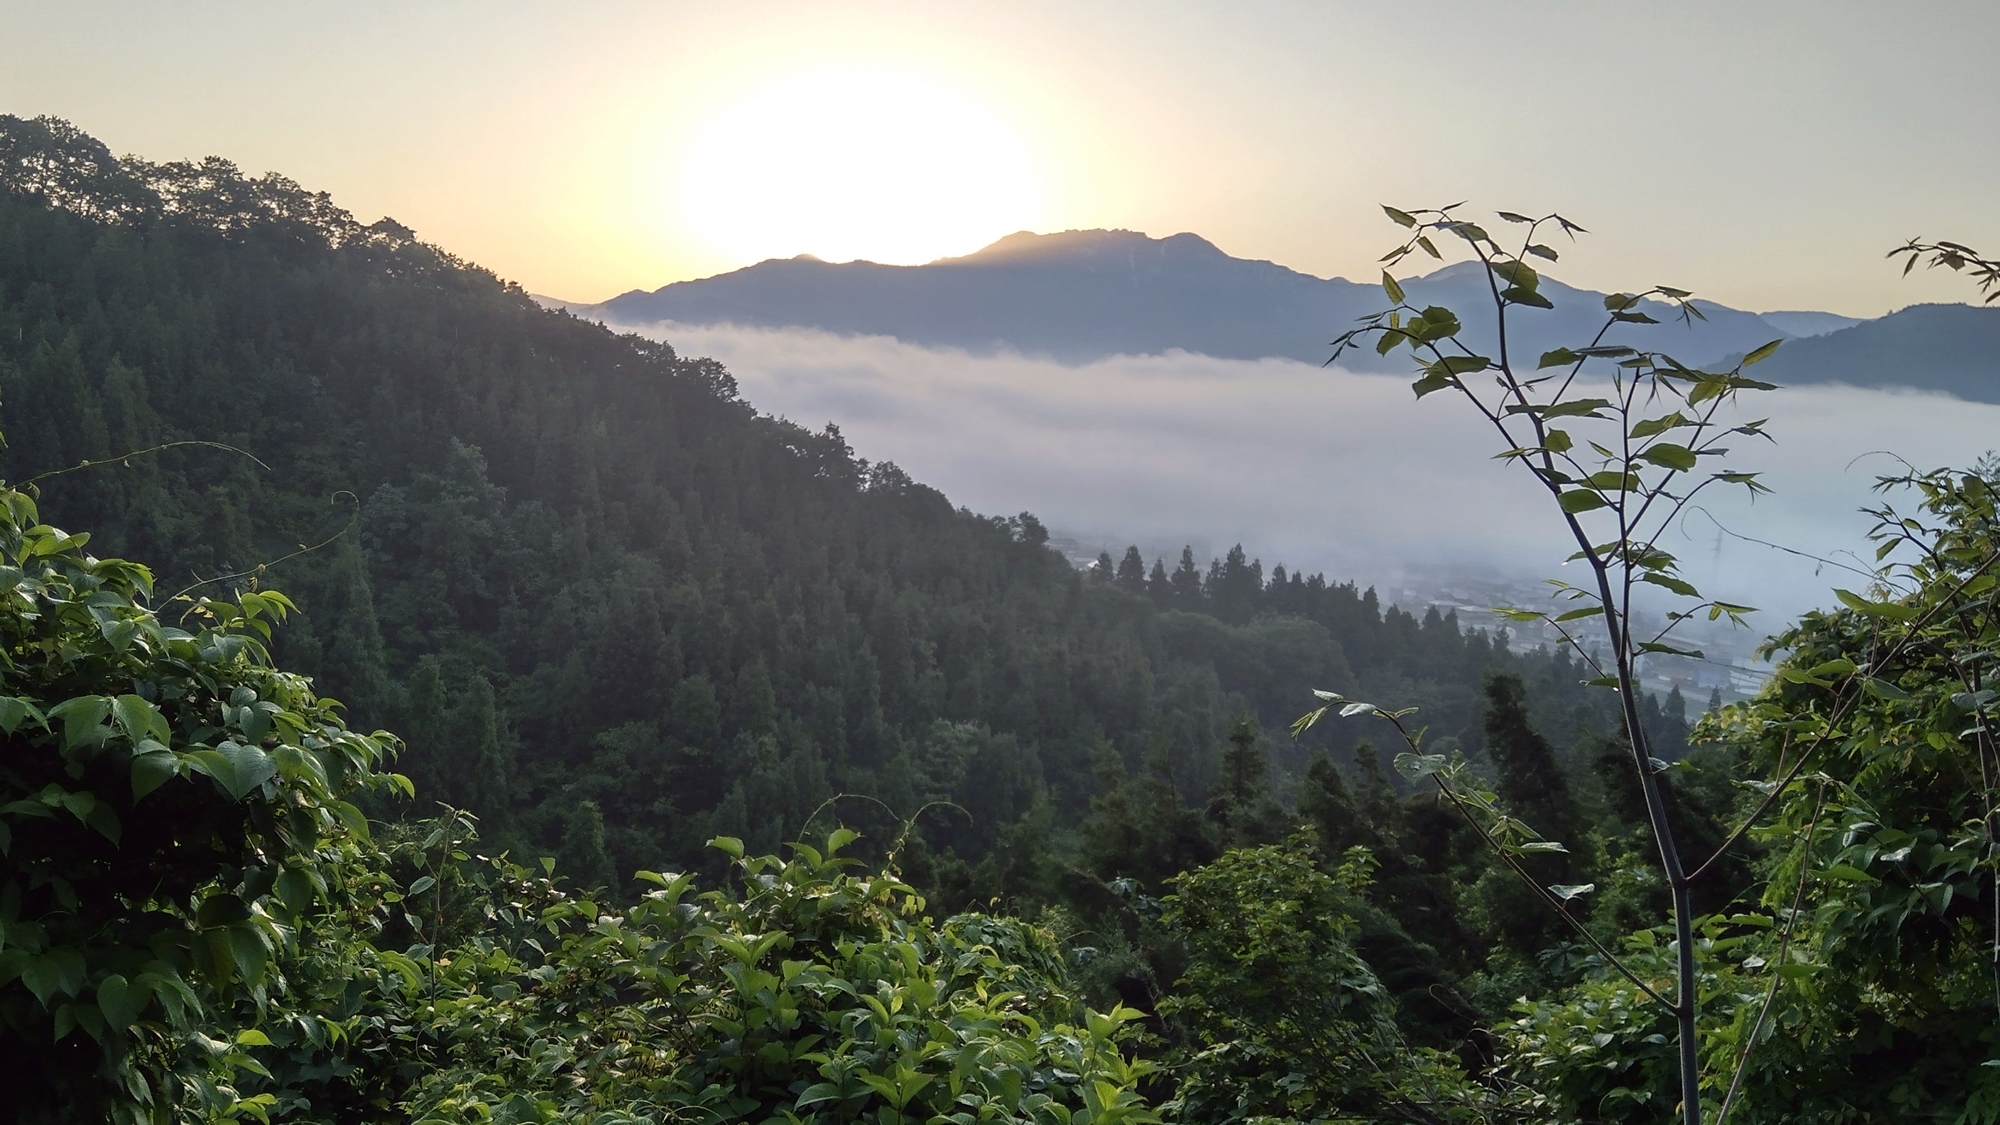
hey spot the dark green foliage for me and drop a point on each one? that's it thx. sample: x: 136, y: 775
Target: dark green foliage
x: 818, y: 991
x: 171, y: 805
x: 1285, y: 1019
x: 700, y: 618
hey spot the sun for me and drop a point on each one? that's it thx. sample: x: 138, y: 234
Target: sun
x: 857, y: 164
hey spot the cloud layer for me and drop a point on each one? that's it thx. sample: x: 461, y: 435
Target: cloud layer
x: 1316, y: 468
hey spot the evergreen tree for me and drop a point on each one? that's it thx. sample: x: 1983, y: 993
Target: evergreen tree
x: 1132, y: 572
x: 1241, y: 808
x: 479, y: 764
x: 582, y: 858
x: 1186, y: 581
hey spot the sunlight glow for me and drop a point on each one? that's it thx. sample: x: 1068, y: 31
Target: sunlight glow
x: 848, y: 164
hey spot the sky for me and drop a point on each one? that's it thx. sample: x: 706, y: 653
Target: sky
x: 1763, y: 155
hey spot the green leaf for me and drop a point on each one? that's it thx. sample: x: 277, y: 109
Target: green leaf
x: 1575, y: 408
x: 1850, y: 874
x: 1891, y: 610
x: 1520, y: 296
x: 239, y: 769
x: 82, y: 719
x: 1432, y: 383
x: 1416, y: 766
x: 1578, y: 614
x: 1580, y: 500
x: 120, y: 1001
x: 1883, y: 689
x: 1401, y: 218
x: 728, y: 845
x: 1561, y: 357
x: 14, y: 712
x: 1669, y: 456
x: 1668, y: 581
x: 139, y: 719
x: 1541, y: 251
x: 221, y: 909
x: 1390, y: 287
x: 1761, y: 353
x: 1660, y: 425
x: 1557, y: 441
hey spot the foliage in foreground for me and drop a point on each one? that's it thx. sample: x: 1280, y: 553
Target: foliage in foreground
x: 171, y: 807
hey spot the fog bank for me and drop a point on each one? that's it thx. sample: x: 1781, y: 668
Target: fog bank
x: 1317, y: 468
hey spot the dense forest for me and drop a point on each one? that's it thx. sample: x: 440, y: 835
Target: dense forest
x: 617, y: 618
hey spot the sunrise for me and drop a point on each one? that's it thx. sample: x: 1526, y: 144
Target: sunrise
x: 1092, y: 563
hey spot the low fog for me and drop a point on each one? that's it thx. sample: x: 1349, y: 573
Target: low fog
x: 1318, y: 468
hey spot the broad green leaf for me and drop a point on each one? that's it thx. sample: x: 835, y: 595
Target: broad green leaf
x: 1432, y: 383
x: 1401, y: 218
x: 139, y: 719
x: 1669, y: 456
x: 1416, y: 766
x: 1892, y: 610
x: 1668, y: 581
x: 82, y: 719
x: 14, y: 712
x: 1660, y: 425
x: 1580, y: 500
x: 1560, y: 357
x: 120, y: 1001
x: 1390, y: 287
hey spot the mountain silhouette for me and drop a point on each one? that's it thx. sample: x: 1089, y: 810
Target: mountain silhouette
x: 1950, y: 348
x: 1084, y: 295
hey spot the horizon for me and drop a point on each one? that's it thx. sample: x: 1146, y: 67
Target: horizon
x: 1550, y: 274
x: 625, y: 146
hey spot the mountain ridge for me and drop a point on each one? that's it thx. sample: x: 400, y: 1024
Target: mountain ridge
x: 1079, y: 296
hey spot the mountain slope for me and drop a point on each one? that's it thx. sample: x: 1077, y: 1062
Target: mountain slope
x: 1083, y: 295
x: 614, y: 609
x: 1954, y: 349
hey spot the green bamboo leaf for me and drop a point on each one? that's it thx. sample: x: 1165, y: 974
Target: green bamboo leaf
x: 1761, y: 353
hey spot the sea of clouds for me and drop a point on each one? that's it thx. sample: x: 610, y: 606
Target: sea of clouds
x: 1318, y: 468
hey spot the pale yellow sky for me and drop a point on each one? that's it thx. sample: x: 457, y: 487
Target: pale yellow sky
x: 1764, y: 155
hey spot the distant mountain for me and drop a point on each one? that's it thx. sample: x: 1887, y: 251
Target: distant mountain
x: 1949, y: 348
x: 1078, y: 296
x: 1803, y: 323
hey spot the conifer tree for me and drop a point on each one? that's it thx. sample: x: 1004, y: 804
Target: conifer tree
x: 1132, y: 572
x: 1187, y: 581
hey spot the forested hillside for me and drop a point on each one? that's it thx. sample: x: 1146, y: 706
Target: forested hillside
x: 588, y: 579
x: 623, y: 621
